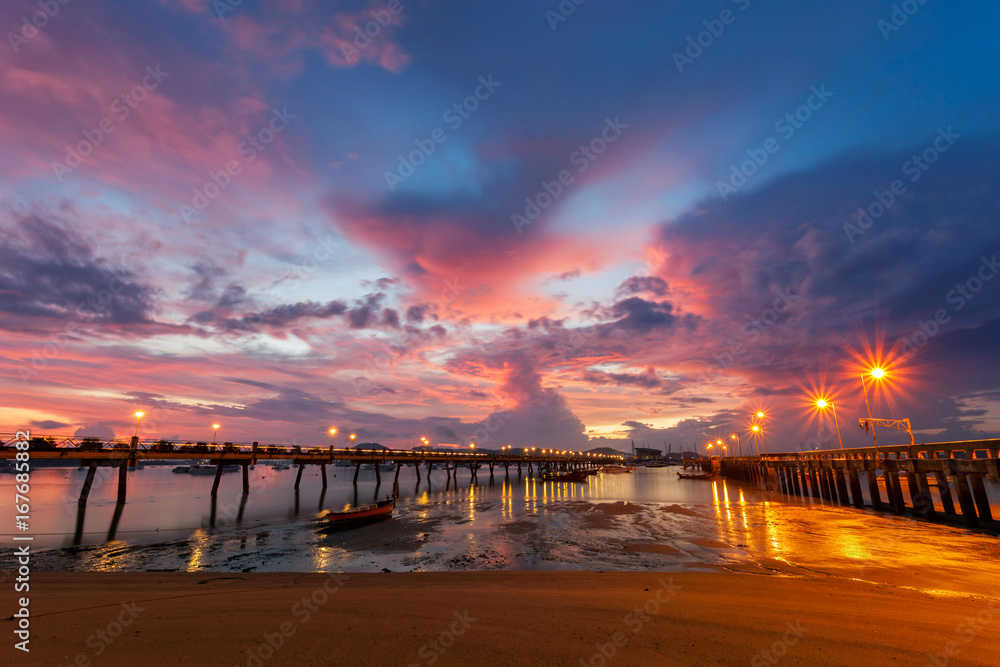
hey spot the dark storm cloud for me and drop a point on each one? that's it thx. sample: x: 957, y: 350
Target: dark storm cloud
x: 48, y: 272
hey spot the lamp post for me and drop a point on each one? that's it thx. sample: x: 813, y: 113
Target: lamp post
x: 138, y: 416
x: 877, y: 374
x: 822, y: 404
x: 215, y: 432
x: 760, y: 436
x: 736, y: 436
x: 333, y: 432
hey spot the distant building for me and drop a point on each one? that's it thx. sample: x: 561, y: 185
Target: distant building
x: 646, y: 454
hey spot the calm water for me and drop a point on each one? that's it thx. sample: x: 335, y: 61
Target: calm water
x: 648, y: 519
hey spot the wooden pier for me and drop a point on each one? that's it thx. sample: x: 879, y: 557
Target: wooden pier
x: 929, y: 473
x: 93, y: 453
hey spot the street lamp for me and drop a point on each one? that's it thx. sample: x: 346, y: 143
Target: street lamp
x: 138, y: 416
x: 877, y: 373
x: 215, y: 431
x: 736, y: 436
x: 757, y: 432
x: 822, y: 404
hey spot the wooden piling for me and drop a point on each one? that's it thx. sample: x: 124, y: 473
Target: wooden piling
x: 246, y: 479
x: 378, y: 475
x: 87, y: 484
x: 122, y: 472
x: 838, y: 476
x: 855, y: 482
x: 979, y: 494
x: 218, y: 478
x: 322, y: 470
x: 357, y: 469
x: 298, y: 476
x: 873, y: 486
x: 945, y: 492
x: 395, y: 480
x: 964, y: 496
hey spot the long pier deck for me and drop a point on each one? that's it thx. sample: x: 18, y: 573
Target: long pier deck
x: 93, y: 453
x: 930, y: 473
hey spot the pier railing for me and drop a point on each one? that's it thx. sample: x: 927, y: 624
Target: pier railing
x: 923, y: 470
x: 95, y: 452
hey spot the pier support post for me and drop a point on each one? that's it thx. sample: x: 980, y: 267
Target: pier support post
x: 979, y: 493
x: 378, y: 475
x: 859, y: 500
x: 945, y: 491
x: 891, y: 476
x: 122, y: 472
x: 873, y: 486
x: 322, y: 470
x: 964, y: 497
x: 924, y: 502
x: 417, y: 466
x: 298, y: 476
x: 395, y: 480
x: 246, y: 478
x: 218, y: 477
x: 87, y: 483
x: 817, y: 491
x: 357, y: 469
x: 838, y: 475
x: 795, y: 480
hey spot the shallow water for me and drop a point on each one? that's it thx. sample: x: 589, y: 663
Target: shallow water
x: 646, y: 520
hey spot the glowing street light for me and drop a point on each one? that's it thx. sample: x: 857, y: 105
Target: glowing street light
x: 822, y: 404
x: 736, y: 436
x: 215, y: 431
x: 877, y: 373
x: 760, y: 415
x: 138, y: 415
x: 759, y: 433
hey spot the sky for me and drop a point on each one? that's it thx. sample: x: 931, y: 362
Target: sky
x: 510, y: 223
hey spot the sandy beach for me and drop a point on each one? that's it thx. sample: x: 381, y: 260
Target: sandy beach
x: 500, y: 618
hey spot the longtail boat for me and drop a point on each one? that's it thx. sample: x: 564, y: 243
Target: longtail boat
x: 363, y: 514
x: 703, y: 475
x: 616, y: 470
x: 576, y: 476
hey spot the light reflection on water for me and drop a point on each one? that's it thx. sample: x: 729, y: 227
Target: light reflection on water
x: 170, y: 522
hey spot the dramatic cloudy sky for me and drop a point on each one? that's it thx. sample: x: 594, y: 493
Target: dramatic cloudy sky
x: 226, y: 214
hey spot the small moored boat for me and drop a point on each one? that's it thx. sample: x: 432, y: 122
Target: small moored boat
x: 704, y: 475
x: 576, y: 476
x: 616, y: 470
x: 363, y: 514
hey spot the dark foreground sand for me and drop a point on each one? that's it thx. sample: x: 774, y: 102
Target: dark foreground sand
x: 496, y: 618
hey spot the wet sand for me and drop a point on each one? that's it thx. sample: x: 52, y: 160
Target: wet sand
x: 502, y: 618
